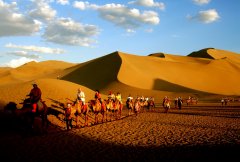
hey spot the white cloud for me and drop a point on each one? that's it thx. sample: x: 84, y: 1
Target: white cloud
x: 121, y: 15
x: 24, y: 54
x: 201, y: 2
x: 63, y: 2
x: 36, y: 49
x: 84, y: 5
x: 18, y: 62
x: 149, y: 3
x: 42, y: 11
x: 67, y: 31
x: 206, y: 17
x: 13, y: 23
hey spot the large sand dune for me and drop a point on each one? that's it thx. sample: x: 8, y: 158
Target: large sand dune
x: 170, y: 73
x: 205, y: 72
x: 203, y: 132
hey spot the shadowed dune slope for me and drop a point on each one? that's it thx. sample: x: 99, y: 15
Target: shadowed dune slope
x: 157, y: 55
x: 203, y: 53
x: 96, y: 74
x: 212, y: 53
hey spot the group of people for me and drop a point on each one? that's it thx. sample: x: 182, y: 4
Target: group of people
x: 178, y: 102
x: 224, y: 101
x: 35, y: 97
x: 167, y: 102
x: 113, y: 97
x: 81, y: 97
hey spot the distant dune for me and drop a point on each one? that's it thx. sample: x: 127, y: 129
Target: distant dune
x: 185, y: 73
x: 212, y: 53
x: 202, y: 73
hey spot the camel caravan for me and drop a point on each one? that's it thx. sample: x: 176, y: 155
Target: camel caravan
x: 102, y: 110
x: 88, y: 113
x: 84, y: 113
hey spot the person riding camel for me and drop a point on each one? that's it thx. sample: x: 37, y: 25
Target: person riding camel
x: 97, y: 96
x: 35, y: 96
x: 111, y: 96
x: 129, y: 100
x: 81, y: 96
x: 119, y: 97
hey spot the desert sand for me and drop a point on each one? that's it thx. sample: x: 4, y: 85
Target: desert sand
x: 206, y: 131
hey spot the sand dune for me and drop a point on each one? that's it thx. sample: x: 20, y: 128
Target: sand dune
x: 212, y: 53
x: 152, y: 75
x: 212, y: 76
x: 179, y: 73
x: 52, y: 90
x: 201, y: 132
x: 31, y: 71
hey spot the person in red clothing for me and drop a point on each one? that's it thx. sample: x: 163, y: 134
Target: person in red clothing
x: 97, y: 96
x: 35, y: 96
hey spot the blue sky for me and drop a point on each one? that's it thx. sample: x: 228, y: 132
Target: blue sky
x: 78, y: 31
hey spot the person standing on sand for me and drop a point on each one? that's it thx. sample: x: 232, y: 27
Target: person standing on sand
x: 226, y: 101
x: 180, y: 103
x: 68, y: 116
x: 176, y: 102
x: 222, y: 101
x: 152, y: 100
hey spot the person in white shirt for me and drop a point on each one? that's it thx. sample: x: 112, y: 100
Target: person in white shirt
x: 81, y: 95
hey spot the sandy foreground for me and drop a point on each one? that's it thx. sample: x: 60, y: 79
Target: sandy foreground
x: 194, y: 133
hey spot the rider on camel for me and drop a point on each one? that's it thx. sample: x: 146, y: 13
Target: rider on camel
x: 119, y: 97
x: 129, y: 98
x: 81, y: 96
x: 111, y: 96
x: 97, y: 96
x: 35, y: 97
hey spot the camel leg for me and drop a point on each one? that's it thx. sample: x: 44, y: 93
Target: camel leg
x: 77, y: 126
x: 95, y: 119
x: 102, y: 117
x: 86, y: 120
x: 120, y: 114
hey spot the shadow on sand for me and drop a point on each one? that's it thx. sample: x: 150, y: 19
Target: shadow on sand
x: 59, y: 145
